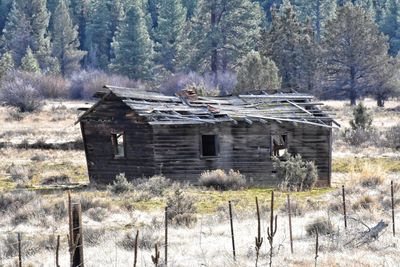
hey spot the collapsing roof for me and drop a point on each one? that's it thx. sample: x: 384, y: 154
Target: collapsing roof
x: 188, y: 108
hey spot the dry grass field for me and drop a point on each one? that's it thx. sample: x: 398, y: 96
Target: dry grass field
x: 41, y: 155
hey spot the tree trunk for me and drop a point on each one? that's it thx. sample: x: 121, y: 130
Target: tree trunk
x: 380, y: 101
x: 214, y: 44
x: 353, y: 92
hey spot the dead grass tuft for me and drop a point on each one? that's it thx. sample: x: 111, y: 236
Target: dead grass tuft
x: 369, y: 176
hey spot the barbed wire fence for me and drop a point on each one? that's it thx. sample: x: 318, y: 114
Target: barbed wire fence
x: 68, y: 246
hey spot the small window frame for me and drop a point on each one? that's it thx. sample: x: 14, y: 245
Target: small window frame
x: 115, y: 135
x: 216, y: 146
x: 285, y: 138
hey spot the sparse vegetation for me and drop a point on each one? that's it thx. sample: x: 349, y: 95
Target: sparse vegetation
x: 220, y: 180
x: 321, y: 225
x: 294, y: 173
x: 181, y: 208
x: 120, y: 185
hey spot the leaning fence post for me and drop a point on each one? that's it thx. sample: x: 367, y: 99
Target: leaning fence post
x: 393, y: 204
x: 57, y: 251
x: 70, y: 226
x: 232, y: 233
x: 19, y: 250
x: 77, y: 245
x: 290, y: 223
x: 166, y: 237
x: 344, y: 207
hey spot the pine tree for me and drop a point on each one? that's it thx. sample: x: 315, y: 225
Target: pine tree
x: 132, y: 46
x: 65, y: 41
x: 29, y: 63
x: 6, y: 64
x: 78, y: 10
x: 26, y: 26
x: 257, y: 74
x: 103, y: 18
x: 362, y: 119
x: 5, y: 7
x: 169, y: 34
x: 354, y: 53
x: 291, y: 45
x: 320, y: 11
x: 390, y: 25
x: 223, y: 32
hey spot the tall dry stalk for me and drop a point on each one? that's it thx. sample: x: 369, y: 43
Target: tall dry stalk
x: 156, y: 258
x: 271, y: 230
x: 259, y: 239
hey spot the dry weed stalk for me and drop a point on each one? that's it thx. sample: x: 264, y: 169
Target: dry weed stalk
x: 156, y: 258
x: 271, y: 230
x: 259, y: 239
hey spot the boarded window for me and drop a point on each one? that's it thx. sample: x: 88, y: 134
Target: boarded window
x: 118, y: 143
x: 209, y: 145
x: 279, y: 145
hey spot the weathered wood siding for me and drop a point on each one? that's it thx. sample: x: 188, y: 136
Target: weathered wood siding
x: 97, y: 128
x: 243, y: 147
x: 174, y: 150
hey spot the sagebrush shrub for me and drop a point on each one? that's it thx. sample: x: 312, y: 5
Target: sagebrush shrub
x: 181, y: 208
x: 221, y: 180
x: 392, y: 137
x: 147, y: 239
x: 321, y: 225
x: 20, y: 90
x: 154, y: 186
x: 120, y: 185
x: 97, y: 214
x: 10, y: 202
x: 294, y: 173
x: 20, y: 173
x: 370, y: 175
x: 93, y: 236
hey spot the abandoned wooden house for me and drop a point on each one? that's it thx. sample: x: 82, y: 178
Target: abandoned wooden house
x: 143, y: 133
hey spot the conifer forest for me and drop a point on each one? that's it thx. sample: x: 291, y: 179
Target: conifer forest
x: 200, y: 133
x: 334, y: 49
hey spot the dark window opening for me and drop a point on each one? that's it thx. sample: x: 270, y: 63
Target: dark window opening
x: 279, y: 145
x: 118, y: 142
x: 209, y: 145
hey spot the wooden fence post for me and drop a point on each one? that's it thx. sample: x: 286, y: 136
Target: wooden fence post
x: 290, y: 223
x: 232, y: 232
x: 77, y: 242
x: 19, y: 250
x: 344, y: 207
x: 316, y: 247
x: 57, y: 251
x: 136, y: 246
x: 393, y: 204
x: 166, y: 237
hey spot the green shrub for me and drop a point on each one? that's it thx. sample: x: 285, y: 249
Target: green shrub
x: 362, y: 119
x: 155, y: 186
x: 181, y: 208
x: 120, y: 185
x: 295, y: 173
x: 221, y: 180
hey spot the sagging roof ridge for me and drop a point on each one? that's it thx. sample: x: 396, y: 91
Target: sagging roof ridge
x: 188, y: 108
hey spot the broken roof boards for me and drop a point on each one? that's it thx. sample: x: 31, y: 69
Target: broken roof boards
x: 159, y: 109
